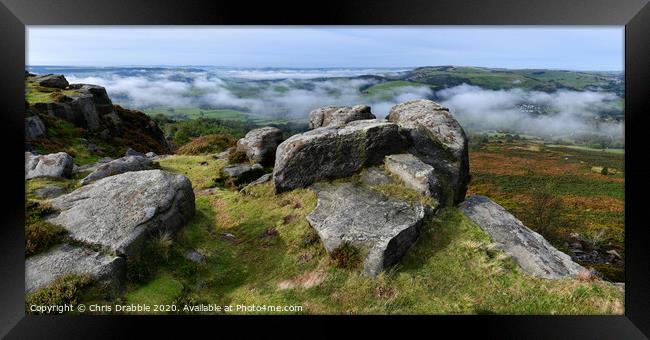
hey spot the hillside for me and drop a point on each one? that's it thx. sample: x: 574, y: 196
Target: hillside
x: 255, y: 223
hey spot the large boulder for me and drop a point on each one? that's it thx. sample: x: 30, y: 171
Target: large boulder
x: 88, y: 107
x: 42, y: 269
x: 333, y: 152
x: 338, y: 115
x: 260, y: 144
x: 34, y: 128
x: 120, y: 212
x: 529, y: 249
x: 414, y: 173
x: 52, y: 165
x: 383, y: 227
x: 52, y: 80
x: 118, y: 166
x: 437, y: 139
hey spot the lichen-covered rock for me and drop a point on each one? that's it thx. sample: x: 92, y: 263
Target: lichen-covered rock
x: 374, y: 176
x: 529, y: 249
x: 333, y: 152
x: 383, y: 227
x: 414, y: 173
x: 41, y: 270
x: 437, y: 139
x: 52, y: 80
x: 118, y: 166
x: 260, y: 144
x: 57, y: 165
x: 34, y: 128
x: 338, y: 115
x: 120, y: 212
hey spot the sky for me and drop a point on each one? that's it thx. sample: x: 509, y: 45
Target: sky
x: 597, y: 48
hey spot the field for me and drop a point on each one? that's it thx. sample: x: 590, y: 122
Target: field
x: 586, y: 202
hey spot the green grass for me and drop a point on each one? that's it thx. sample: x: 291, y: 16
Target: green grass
x: 452, y: 269
x: 163, y: 289
x: 203, y: 171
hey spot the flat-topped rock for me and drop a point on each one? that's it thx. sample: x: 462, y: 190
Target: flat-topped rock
x: 260, y: 144
x: 42, y: 269
x: 121, y: 211
x: 58, y: 165
x: 338, y: 115
x: 529, y: 249
x: 374, y: 176
x: 333, y: 152
x: 384, y: 227
x: 438, y: 140
x: 414, y: 173
x: 118, y: 166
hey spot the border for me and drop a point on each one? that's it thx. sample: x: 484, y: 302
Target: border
x: 634, y: 14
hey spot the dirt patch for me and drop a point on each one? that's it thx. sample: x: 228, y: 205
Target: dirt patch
x: 305, y: 280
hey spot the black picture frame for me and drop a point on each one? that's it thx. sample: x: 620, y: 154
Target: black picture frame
x: 633, y: 14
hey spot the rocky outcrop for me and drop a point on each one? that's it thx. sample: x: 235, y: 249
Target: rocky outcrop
x: 338, y: 115
x: 528, y: 248
x: 57, y: 165
x: 438, y: 140
x: 414, y: 173
x: 120, y: 212
x: 333, y: 152
x: 92, y: 166
x: 118, y: 166
x: 88, y: 107
x: 374, y: 176
x: 51, y: 80
x: 41, y: 270
x: 34, y: 128
x: 260, y: 144
x: 383, y: 227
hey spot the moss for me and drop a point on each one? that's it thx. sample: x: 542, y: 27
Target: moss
x: 346, y: 256
x: 40, y: 236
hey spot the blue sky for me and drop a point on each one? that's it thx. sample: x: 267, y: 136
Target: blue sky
x: 573, y: 48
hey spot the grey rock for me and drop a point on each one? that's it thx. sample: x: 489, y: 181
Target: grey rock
x: 34, y: 128
x: 333, y: 152
x: 89, y: 107
x: 382, y: 226
x: 52, y: 80
x: 131, y: 152
x: 150, y: 154
x: 120, y: 212
x: 338, y: 115
x: 42, y: 269
x: 263, y: 179
x: 373, y: 176
x: 438, y: 140
x: 414, y: 173
x: 194, y: 256
x: 260, y: 144
x: 49, y: 191
x: 118, y: 166
x: 92, y: 166
x: 529, y: 249
x: 57, y: 165
x: 224, y: 154
x: 243, y: 173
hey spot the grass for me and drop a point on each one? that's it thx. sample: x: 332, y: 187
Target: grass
x: 207, y: 144
x: 64, y: 290
x: 245, y: 264
x: 516, y: 174
x: 203, y: 171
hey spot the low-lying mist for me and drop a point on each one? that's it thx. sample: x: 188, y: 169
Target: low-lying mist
x: 556, y: 114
